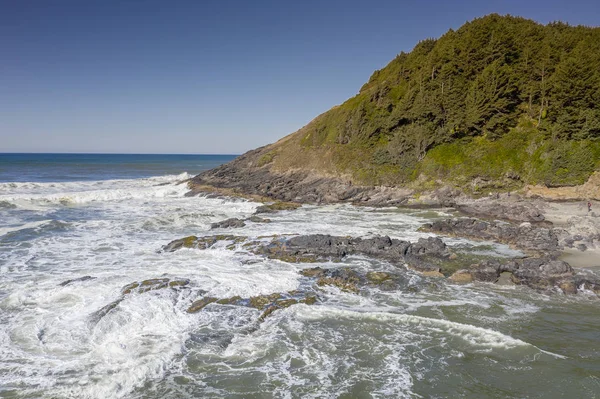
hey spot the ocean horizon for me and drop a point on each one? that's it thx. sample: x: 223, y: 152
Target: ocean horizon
x: 48, y: 167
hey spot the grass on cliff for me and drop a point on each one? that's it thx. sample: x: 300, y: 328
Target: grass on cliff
x: 522, y: 156
x: 499, y: 103
x: 525, y: 155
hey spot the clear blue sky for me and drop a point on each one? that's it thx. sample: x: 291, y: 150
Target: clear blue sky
x: 206, y: 76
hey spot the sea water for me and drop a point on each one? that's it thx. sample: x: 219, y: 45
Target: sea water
x: 64, y: 217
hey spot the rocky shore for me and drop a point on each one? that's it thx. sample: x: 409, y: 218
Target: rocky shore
x: 430, y: 257
x: 541, y: 229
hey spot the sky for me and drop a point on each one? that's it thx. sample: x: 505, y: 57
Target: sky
x: 206, y: 76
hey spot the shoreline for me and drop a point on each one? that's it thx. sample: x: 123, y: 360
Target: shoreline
x: 575, y: 230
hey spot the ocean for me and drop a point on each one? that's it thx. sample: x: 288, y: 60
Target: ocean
x: 77, y: 228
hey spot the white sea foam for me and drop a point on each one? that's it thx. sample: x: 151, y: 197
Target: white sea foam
x: 51, y: 345
x: 30, y: 225
x: 477, y: 337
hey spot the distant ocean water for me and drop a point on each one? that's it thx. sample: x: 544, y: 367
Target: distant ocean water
x: 76, y: 229
x: 85, y: 167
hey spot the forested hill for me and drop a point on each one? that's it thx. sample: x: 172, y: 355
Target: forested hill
x: 502, y: 102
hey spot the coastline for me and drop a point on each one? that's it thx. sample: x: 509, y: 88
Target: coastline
x: 548, y: 225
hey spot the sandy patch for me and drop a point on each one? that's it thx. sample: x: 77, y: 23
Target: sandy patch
x: 576, y: 258
x: 588, y: 190
x: 559, y: 212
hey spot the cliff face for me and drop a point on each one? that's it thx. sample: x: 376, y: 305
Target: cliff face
x: 501, y: 103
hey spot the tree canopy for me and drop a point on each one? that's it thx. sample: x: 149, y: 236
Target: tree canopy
x: 491, y: 76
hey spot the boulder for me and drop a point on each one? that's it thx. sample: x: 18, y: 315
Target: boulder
x: 525, y: 236
x: 76, y: 280
x: 462, y: 276
x: 228, y: 223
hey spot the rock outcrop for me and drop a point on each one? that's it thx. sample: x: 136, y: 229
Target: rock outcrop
x: 429, y: 256
x: 228, y: 223
x: 528, y: 237
x: 505, y: 209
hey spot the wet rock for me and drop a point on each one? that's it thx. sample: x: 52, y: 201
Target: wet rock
x: 429, y: 256
x: 339, y: 283
x: 321, y: 247
x: 586, y: 284
x: 186, y: 242
x: 568, y: 287
x: 228, y: 223
x: 267, y: 312
x: 313, y: 272
x: 201, y: 242
x: 261, y: 301
x: 285, y: 303
x: 378, y: 277
x: 581, y: 232
x: 538, y: 273
x: 489, y: 270
x: 428, y: 246
x: 229, y: 301
x: 525, y: 236
x: 309, y: 300
x: 96, y: 316
x: 178, y: 283
x: 432, y: 273
x: 505, y: 278
x: 139, y: 287
x: 7, y: 205
x: 532, y: 268
x: 345, y: 279
x: 76, y: 280
x: 267, y: 303
x: 519, y: 211
x: 257, y: 219
x: 314, y: 247
x: 278, y: 206
x: 153, y: 284
x: 544, y: 273
x: 129, y: 288
x: 200, y: 304
x: 462, y: 276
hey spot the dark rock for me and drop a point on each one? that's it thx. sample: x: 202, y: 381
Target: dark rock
x: 97, y: 315
x: 428, y: 246
x: 261, y: 301
x: 267, y: 303
x: 313, y: 272
x: 505, y: 278
x: 242, y: 175
x: 519, y: 211
x: 258, y: 219
x: 201, y: 242
x: 186, y: 242
x: 462, y: 276
x: 525, y: 236
x: 278, y: 206
x: 378, y: 277
x: 228, y: 223
x: 153, y: 284
x: 200, y: 304
x: 345, y: 279
x: 76, y: 280
x: 586, y: 284
x: 230, y: 301
x: 429, y: 256
x: 568, y: 287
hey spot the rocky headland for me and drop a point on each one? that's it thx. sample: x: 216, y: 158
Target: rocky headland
x: 516, y: 162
